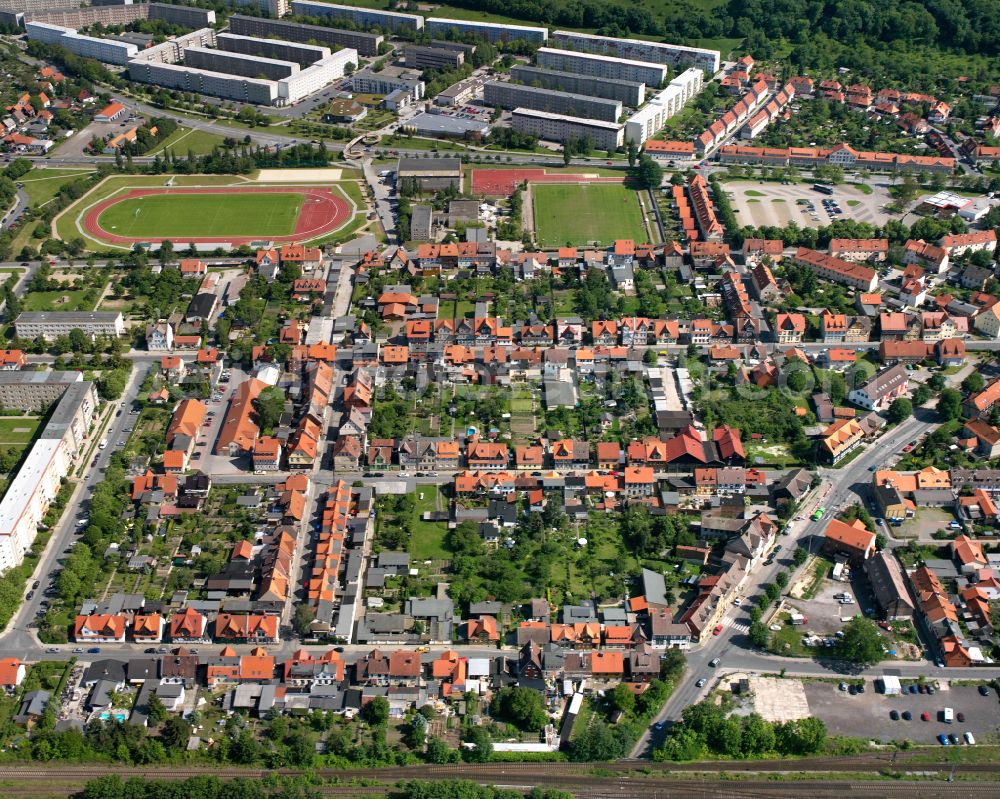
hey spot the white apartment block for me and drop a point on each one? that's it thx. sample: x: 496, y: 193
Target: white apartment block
x: 657, y: 52
x: 362, y: 17
x: 108, y: 51
x: 491, y: 31
x: 273, y: 8
x: 387, y: 81
x: 650, y: 119
x: 602, y: 66
x: 52, y: 324
x: 316, y: 77
x: 557, y: 127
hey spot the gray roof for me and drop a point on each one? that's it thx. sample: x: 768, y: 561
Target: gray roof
x: 654, y: 588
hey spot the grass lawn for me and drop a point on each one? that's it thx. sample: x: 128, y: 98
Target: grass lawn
x: 41, y: 185
x: 240, y: 214
x: 427, y: 540
x: 17, y: 430
x: 64, y: 300
x: 186, y: 139
x: 578, y: 214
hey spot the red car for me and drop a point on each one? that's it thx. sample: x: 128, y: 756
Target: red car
x: 925, y: 716
x: 717, y: 630
x: 908, y: 448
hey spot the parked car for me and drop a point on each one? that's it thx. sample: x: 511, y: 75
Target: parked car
x: 942, y: 739
x: 907, y: 715
x: 894, y: 715
x: 717, y: 630
x: 925, y: 716
x: 94, y: 650
x: 960, y: 717
x: 984, y: 690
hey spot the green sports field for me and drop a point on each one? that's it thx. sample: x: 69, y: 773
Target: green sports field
x: 210, y: 215
x: 577, y: 214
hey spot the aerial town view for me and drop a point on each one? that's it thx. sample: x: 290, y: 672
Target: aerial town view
x: 479, y: 400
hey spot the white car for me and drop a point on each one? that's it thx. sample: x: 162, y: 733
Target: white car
x: 737, y: 601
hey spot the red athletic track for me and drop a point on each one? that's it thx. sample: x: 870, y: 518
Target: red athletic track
x: 323, y: 211
x: 503, y: 181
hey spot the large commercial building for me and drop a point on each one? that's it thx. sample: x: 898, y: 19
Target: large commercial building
x: 362, y: 17
x: 656, y: 52
x: 513, y: 95
x: 431, y: 174
x: 246, y: 66
x: 52, y: 324
x: 629, y: 93
x: 388, y: 80
x: 420, y: 57
x: 366, y: 44
x: 491, y: 31
x: 602, y: 66
x: 40, y: 477
x: 650, y: 119
x: 557, y: 127
x: 301, y: 54
x: 108, y: 51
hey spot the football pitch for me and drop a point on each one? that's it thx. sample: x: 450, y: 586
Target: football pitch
x: 158, y: 216
x: 577, y: 214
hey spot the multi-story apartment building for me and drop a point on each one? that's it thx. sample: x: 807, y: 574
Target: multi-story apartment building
x: 512, y: 95
x: 421, y: 57
x: 362, y: 17
x: 388, y: 80
x: 602, y: 66
x: 650, y: 119
x: 630, y: 93
x: 273, y: 8
x: 830, y: 268
x: 491, y: 31
x: 860, y: 250
x: 556, y: 127
x: 247, y: 66
x: 301, y: 54
x: 108, y: 51
x: 656, y: 52
x: 367, y: 44
x: 52, y: 324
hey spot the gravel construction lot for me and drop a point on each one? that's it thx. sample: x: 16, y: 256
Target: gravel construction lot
x: 756, y: 203
x: 868, y: 714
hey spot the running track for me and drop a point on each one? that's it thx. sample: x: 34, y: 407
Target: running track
x: 501, y: 182
x: 323, y: 211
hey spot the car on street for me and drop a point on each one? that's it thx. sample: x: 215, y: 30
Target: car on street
x: 717, y: 630
x: 701, y: 683
x: 658, y: 726
x: 78, y: 651
x: 94, y: 650
x: 52, y: 649
x: 714, y: 662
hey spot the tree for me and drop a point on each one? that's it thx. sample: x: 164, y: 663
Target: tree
x: 270, y: 404
x: 921, y: 395
x: 949, y: 405
x: 801, y: 736
x: 974, y: 383
x: 302, y: 618
x: 649, y: 173
x: 622, y: 698
x: 376, y: 712
x: 522, y: 707
x: 633, y: 153
x: 900, y: 410
x: 156, y: 711
x: 439, y: 752
x: 481, y: 750
x: 861, y: 644
x: 758, y: 634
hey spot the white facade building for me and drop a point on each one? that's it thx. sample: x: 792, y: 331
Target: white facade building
x: 650, y: 119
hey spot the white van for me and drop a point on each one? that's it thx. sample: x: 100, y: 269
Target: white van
x: 969, y: 739
x: 103, y: 444
x: 948, y: 716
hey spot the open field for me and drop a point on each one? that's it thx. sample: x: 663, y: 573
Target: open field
x: 18, y: 430
x: 185, y: 140
x: 41, y: 185
x: 158, y: 216
x: 580, y: 214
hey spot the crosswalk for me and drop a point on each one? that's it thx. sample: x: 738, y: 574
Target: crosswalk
x: 739, y: 626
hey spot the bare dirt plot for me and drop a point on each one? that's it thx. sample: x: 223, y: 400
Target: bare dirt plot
x: 298, y: 175
x: 760, y: 203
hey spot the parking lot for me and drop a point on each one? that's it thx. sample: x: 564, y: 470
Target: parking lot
x: 868, y: 714
x: 760, y: 203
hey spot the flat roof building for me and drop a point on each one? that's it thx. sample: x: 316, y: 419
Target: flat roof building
x: 513, y: 95
x: 431, y: 173
x: 650, y: 119
x: 52, y: 324
x: 560, y: 128
x: 366, y: 44
x: 108, y: 51
x: 362, y: 17
x: 201, y: 81
x: 32, y: 391
x: 656, y: 52
x: 388, y: 80
x: 429, y: 124
x: 602, y: 66
x: 301, y: 54
x: 421, y: 57
x: 247, y: 66
x: 630, y: 93
x: 490, y: 31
